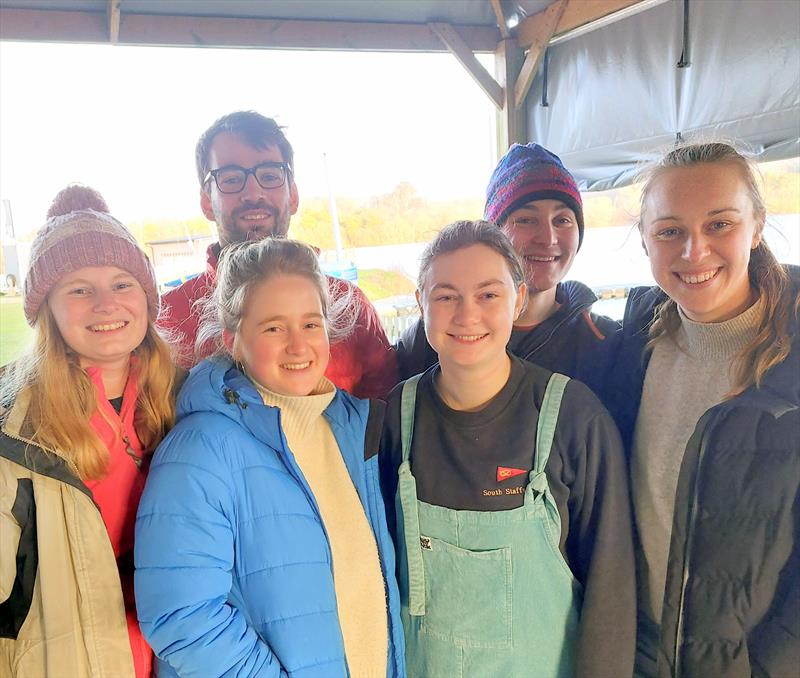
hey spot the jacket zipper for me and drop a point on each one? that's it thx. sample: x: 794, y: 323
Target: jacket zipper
x: 69, y: 462
x: 687, y: 556
x: 232, y: 397
x: 132, y: 453
x: 297, y: 474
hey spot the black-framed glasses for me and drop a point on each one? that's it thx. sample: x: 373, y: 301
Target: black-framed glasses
x: 232, y: 178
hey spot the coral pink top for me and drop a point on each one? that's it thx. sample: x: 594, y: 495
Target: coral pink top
x: 118, y: 494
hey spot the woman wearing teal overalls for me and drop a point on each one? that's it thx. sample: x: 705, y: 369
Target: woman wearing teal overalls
x: 506, y: 490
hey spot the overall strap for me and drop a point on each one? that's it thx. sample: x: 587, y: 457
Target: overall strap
x: 407, y: 493
x: 408, y: 404
x: 548, y: 418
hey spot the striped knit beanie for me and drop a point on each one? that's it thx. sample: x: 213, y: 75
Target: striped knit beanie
x: 83, y: 238
x: 528, y: 173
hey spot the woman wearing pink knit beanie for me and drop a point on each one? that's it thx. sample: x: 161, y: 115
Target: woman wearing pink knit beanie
x: 80, y: 414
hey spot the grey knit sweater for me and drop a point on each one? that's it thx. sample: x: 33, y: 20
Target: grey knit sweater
x: 683, y: 380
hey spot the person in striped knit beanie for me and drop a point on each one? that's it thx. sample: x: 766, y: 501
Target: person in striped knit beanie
x: 535, y: 200
x: 528, y: 175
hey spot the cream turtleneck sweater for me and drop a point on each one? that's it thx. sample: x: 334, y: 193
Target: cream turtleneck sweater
x: 682, y: 382
x: 360, y: 593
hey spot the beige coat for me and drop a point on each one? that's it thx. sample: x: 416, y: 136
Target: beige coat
x: 72, y: 622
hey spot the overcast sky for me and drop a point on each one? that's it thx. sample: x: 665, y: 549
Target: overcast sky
x: 125, y: 120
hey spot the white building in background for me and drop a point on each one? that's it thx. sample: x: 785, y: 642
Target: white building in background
x: 178, y: 259
x: 11, y: 270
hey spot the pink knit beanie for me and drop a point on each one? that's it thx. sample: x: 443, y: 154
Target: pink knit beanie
x: 78, y: 239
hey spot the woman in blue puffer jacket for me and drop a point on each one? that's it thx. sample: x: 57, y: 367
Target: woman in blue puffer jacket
x: 261, y: 539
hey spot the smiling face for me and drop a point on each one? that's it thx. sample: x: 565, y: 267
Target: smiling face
x: 255, y: 212
x: 545, y: 234
x: 698, y: 228
x: 282, y: 338
x: 469, y: 303
x: 101, y: 313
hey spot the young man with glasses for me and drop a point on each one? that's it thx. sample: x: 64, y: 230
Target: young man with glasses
x: 536, y: 201
x: 245, y: 166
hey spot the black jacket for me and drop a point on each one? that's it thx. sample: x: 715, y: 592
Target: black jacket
x: 573, y: 341
x: 732, y: 598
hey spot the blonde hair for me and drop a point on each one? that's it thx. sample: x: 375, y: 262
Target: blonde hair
x: 244, y: 265
x: 777, y: 308
x: 61, y: 424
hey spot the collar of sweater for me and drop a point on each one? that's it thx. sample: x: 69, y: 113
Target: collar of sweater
x: 299, y: 414
x: 719, y: 341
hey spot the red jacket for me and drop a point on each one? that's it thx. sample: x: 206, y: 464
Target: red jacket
x: 364, y: 363
x: 117, y: 494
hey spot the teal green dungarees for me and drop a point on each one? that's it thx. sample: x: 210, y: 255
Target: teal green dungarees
x: 486, y: 593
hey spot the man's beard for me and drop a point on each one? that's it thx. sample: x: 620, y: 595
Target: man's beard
x: 242, y: 231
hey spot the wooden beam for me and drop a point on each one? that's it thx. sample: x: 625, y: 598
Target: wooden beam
x: 577, y: 14
x: 52, y: 25
x: 112, y: 14
x: 545, y: 27
x: 197, y: 31
x: 448, y: 35
x: 501, y: 18
x: 511, y: 121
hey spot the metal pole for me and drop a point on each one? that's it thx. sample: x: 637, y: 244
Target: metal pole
x: 334, y: 214
x: 685, y: 62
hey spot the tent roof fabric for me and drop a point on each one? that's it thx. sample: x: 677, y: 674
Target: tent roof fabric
x: 617, y: 98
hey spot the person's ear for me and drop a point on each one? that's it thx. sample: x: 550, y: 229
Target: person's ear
x: 522, y: 298
x: 418, y: 295
x: 758, y: 236
x: 229, y: 339
x: 294, y: 197
x: 638, y: 227
x: 205, y: 205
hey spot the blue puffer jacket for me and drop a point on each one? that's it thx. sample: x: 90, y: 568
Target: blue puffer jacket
x: 233, y: 566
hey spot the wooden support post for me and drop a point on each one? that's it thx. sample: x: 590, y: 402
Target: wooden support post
x: 511, y: 121
x: 461, y: 51
x: 501, y: 18
x: 113, y: 15
x: 540, y: 33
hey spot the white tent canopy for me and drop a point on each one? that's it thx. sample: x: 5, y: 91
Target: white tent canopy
x: 616, y: 96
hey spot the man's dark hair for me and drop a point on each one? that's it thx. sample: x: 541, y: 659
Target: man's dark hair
x: 254, y: 129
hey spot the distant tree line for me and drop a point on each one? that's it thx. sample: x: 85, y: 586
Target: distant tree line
x: 403, y: 216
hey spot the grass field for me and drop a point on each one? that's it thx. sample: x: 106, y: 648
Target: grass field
x: 378, y: 284
x: 14, y: 331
